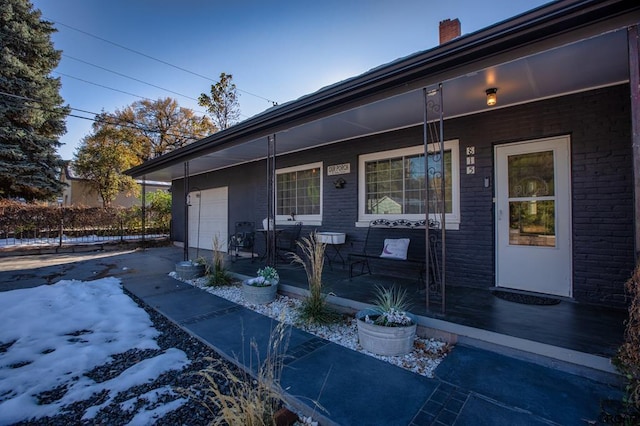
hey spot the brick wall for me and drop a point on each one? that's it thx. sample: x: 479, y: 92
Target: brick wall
x: 598, y: 124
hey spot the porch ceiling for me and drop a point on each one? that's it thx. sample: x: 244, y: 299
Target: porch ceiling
x: 589, y: 63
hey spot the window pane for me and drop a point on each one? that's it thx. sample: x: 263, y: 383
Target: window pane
x: 532, y: 223
x: 396, y: 185
x: 531, y: 175
x: 298, y: 192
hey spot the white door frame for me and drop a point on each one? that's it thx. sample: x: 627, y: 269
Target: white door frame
x: 527, y: 267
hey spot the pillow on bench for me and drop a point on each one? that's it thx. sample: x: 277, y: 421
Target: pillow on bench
x: 395, y: 248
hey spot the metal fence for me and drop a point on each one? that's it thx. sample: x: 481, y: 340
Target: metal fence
x: 35, y: 224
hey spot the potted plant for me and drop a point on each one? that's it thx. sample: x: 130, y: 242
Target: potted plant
x: 387, y: 328
x: 263, y: 288
x: 190, y: 270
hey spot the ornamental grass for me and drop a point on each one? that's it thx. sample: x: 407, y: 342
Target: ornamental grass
x: 314, y: 309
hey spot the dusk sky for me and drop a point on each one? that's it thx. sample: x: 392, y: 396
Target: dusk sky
x: 275, y: 50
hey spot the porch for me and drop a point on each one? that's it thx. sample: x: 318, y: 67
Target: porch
x: 579, y: 334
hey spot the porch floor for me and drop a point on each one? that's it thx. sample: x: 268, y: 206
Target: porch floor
x: 569, y: 325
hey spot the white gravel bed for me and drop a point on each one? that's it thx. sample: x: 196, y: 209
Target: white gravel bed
x: 425, y: 357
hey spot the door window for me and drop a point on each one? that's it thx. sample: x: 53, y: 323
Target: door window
x: 532, y: 202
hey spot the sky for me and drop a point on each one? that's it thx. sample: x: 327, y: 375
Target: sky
x: 103, y: 321
x: 119, y: 51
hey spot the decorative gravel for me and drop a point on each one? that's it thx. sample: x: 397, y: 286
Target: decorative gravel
x: 425, y: 357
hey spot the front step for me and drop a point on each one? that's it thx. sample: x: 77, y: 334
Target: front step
x: 571, y: 361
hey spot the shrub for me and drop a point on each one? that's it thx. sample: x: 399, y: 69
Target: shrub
x: 628, y: 357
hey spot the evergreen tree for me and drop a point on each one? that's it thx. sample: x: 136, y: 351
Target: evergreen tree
x: 31, y: 111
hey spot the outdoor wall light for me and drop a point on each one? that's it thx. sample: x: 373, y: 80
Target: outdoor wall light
x: 492, y: 97
x: 339, y: 184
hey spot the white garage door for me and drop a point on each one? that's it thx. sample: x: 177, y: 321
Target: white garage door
x: 208, y: 218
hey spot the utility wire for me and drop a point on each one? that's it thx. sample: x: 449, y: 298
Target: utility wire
x: 274, y: 103
x: 122, y: 91
x: 99, y: 120
x: 117, y: 90
x: 99, y: 85
x: 126, y: 76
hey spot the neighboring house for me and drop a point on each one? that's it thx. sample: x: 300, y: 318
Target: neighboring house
x: 77, y: 191
x: 539, y: 187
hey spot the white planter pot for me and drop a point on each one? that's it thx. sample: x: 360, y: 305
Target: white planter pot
x: 381, y: 340
x: 259, y: 295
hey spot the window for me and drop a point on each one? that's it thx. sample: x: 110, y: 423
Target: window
x: 299, y: 191
x: 391, y: 184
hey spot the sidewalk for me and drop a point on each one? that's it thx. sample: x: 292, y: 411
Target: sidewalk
x: 472, y: 386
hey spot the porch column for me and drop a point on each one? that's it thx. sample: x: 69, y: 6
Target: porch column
x: 634, y: 85
x: 271, y: 200
x: 435, y: 269
x: 186, y: 212
x: 144, y: 208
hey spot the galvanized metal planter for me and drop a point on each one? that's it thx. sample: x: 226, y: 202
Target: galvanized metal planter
x: 259, y: 295
x: 188, y: 270
x: 382, y: 340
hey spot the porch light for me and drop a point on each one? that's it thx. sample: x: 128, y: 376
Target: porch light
x: 492, y: 97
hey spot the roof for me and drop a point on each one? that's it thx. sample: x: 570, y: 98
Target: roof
x: 71, y: 174
x: 545, y: 45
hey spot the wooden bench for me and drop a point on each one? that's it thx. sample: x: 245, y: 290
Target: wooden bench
x: 380, y: 230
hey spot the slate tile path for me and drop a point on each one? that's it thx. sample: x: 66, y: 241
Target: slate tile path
x: 471, y: 386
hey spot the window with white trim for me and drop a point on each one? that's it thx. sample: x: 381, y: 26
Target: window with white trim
x: 299, y: 192
x: 391, y: 184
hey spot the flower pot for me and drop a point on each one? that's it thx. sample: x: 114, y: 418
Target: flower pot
x: 188, y: 270
x: 259, y: 295
x: 382, y: 340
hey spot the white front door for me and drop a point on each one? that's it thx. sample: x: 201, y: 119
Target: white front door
x: 533, y: 216
x: 208, y: 216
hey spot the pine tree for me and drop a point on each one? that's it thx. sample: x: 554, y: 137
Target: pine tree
x: 31, y: 111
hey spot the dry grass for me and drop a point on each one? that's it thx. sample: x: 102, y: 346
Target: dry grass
x: 238, y: 399
x: 314, y: 307
x: 218, y: 274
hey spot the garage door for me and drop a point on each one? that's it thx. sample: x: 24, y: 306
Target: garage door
x: 208, y: 218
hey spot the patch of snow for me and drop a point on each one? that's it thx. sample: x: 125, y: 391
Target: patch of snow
x: 53, y: 334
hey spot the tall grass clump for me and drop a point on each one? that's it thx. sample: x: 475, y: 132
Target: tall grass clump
x: 235, y: 397
x: 314, y: 308
x: 218, y: 274
x: 628, y: 357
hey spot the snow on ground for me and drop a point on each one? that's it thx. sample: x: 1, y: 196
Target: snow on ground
x: 425, y: 357
x: 52, y: 335
x: 88, y: 240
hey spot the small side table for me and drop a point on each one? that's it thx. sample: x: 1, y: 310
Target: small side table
x: 336, y: 241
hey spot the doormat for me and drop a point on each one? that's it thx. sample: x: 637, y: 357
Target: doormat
x: 526, y: 299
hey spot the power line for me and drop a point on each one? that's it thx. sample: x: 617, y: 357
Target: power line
x: 156, y: 59
x: 99, y: 85
x: 122, y: 91
x: 98, y: 120
x: 126, y: 76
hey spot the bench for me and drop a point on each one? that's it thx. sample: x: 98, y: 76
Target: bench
x: 396, y: 233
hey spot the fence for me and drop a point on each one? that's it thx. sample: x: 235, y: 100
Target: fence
x: 40, y: 224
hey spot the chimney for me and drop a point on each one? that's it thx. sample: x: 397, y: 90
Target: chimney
x: 449, y: 30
